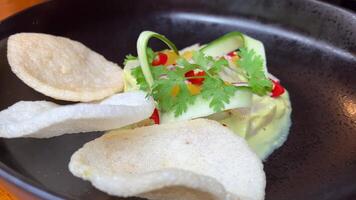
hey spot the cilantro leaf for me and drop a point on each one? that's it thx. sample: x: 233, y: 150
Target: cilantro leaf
x: 203, y: 61
x: 162, y: 93
x: 183, y: 100
x: 140, y: 78
x: 253, y: 65
x: 208, y: 63
x: 128, y: 58
x: 157, y: 71
x: 162, y: 90
x: 218, y: 66
x: 219, y: 93
x: 182, y: 62
x: 170, y: 89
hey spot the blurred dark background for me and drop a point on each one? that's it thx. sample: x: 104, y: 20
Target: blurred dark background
x: 347, y: 4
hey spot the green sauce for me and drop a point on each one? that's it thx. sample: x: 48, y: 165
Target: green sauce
x: 265, y: 125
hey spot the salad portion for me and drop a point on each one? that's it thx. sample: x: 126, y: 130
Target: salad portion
x: 225, y: 80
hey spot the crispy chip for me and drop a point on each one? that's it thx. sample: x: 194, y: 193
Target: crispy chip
x: 189, y: 160
x: 43, y: 119
x: 62, y: 68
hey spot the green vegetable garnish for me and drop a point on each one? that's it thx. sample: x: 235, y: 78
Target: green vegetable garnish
x: 208, y: 63
x: 143, y: 52
x: 171, y: 87
x: 219, y: 93
x: 150, y: 55
x: 140, y: 78
x: 252, y: 63
x: 128, y: 58
x: 213, y: 88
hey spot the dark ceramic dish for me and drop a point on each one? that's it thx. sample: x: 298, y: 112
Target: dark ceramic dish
x: 310, y: 46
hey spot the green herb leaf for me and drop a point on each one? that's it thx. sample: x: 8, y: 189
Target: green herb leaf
x: 163, y: 88
x: 167, y: 80
x: 219, y: 93
x: 218, y: 66
x: 128, y: 58
x: 208, y: 64
x: 183, y: 100
x: 150, y: 55
x: 140, y: 78
x: 203, y: 61
x: 253, y: 65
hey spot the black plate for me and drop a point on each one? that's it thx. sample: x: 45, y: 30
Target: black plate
x: 310, y: 47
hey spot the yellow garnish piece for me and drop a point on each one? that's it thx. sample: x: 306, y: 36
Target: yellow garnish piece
x: 175, y: 90
x: 187, y: 55
x: 227, y: 83
x: 234, y: 59
x: 193, y: 89
x: 172, y: 57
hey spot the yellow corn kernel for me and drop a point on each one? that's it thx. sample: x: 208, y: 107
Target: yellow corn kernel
x: 175, y: 90
x: 193, y: 89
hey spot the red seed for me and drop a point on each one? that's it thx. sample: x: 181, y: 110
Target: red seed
x: 277, y: 90
x: 160, y: 59
x: 155, y: 116
x: 195, y: 81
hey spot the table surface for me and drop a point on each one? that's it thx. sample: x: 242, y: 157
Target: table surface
x: 10, y: 7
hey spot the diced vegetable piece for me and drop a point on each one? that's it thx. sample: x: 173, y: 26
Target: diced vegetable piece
x: 277, y: 90
x: 232, y: 53
x: 194, y: 89
x: 187, y: 55
x: 195, y: 73
x: 155, y: 116
x: 160, y: 59
x: 172, y: 57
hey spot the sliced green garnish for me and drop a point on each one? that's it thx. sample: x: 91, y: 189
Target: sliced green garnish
x: 143, y: 53
x: 224, y: 44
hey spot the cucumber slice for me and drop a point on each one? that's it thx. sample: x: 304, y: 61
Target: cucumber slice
x: 142, y: 43
x: 232, y: 41
x: 224, y: 44
x: 201, y: 108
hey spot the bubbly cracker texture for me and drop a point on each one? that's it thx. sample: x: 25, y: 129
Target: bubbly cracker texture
x: 188, y: 160
x: 62, y: 68
x: 43, y: 119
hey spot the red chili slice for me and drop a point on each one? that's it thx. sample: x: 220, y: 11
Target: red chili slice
x: 277, y: 90
x: 160, y: 59
x: 195, y: 81
x: 155, y: 116
x: 232, y: 54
